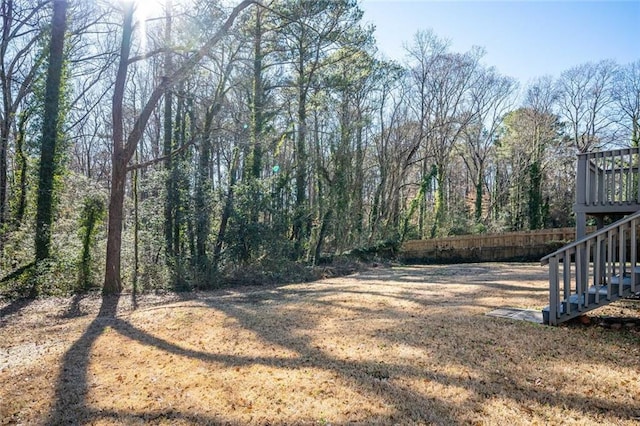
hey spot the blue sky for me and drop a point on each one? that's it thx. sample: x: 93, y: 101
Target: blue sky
x: 523, y: 39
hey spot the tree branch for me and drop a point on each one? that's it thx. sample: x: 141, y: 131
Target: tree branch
x: 177, y: 76
x: 160, y: 159
x: 148, y: 55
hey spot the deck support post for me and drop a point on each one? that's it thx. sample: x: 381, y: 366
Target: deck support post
x: 581, y: 195
x: 581, y: 225
x: 606, y: 186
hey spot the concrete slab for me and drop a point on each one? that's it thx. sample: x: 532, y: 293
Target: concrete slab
x: 530, y: 315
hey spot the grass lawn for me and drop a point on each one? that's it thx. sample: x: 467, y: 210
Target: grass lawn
x: 402, y: 345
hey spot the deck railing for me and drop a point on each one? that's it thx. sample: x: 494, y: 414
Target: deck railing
x: 596, y: 269
x: 608, y: 178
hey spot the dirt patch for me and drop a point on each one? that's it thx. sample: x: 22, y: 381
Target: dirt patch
x: 406, y: 345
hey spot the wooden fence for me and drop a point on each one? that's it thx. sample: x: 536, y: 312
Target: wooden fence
x: 510, y: 246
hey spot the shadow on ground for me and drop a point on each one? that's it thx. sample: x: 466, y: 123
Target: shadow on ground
x: 488, y: 369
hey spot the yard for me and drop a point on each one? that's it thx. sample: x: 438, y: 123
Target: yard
x: 402, y: 345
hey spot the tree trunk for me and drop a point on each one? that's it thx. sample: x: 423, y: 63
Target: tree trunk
x: 122, y: 153
x: 257, y: 104
x: 4, y: 141
x: 16, y: 81
x: 422, y: 208
x: 203, y: 186
x: 50, y: 126
x: 358, y: 174
x: 21, y: 172
x: 479, y: 192
x: 377, y: 210
x: 340, y: 188
x: 168, y: 144
x: 441, y: 200
x: 7, y: 19
x: 535, y: 196
x: 136, y: 232
x: 326, y: 220
x: 300, y: 213
x: 228, y: 208
x: 173, y: 195
x: 112, y: 278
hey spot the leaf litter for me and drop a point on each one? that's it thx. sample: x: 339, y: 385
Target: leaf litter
x: 402, y: 345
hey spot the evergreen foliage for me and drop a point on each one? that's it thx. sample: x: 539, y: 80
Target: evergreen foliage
x: 93, y: 213
x: 273, y: 146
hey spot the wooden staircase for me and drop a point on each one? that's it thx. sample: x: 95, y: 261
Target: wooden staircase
x: 593, y: 271
x: 601, y: 267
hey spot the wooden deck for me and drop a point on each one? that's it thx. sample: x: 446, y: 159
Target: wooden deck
x: 606, y: 185
x: 593, y: 271
x: 603, y: 266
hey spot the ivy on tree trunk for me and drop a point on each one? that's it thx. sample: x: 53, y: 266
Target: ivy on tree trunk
x: 50, y: 131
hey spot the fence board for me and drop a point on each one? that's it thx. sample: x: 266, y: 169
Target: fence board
x: 490, y: 247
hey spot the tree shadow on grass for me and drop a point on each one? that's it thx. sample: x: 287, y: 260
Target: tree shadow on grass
x: 71, y: 391
x: 368, y: 377
x: 72, y: 387
x: 411, y: 406
x: 13, y: 307
x: 74, y: 310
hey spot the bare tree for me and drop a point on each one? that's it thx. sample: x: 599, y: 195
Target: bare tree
x: 541, y: 134
x: 442, y: 82
x: 20, y: 63
x: 491, y: 98
x: 626, y: 93
x: 396, y: 144
x: 527, y: 151
x: 585, y: 103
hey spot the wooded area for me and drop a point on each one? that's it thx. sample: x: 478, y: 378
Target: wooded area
x: 170, y: 150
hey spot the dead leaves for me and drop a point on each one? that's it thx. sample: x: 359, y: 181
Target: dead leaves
x: 346, y: 351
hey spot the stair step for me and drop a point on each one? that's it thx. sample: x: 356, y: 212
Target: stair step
x: 626, y: 281
x: 545, y: 315
x: 602, y: 290
x: 576, y: 303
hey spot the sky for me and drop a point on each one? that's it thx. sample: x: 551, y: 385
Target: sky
x: 523, y: 39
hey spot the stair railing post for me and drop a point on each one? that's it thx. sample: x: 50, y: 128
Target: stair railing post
x: 553, y: 291
x: 599, y: 266
x: 566, y: 278
x: 589, y: 270
x: 580, y: 273
x: 622, y: 261
x: 581, y: 195
x: 610, y: 263
x: 628, y: 181
x: 599, y: 160
x: 634, y: 252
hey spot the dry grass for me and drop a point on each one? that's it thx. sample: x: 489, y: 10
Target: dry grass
x: 407, y: 345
